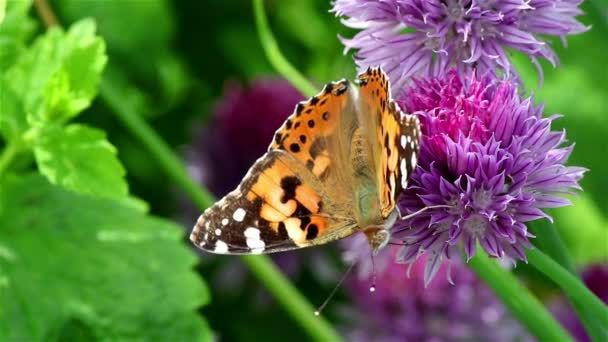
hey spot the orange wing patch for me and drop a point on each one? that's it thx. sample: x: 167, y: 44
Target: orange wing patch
x: 305, y: 133
x: 288, y: 203
x: 390, y: 126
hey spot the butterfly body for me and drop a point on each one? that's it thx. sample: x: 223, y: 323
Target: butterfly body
x: 335, y: 167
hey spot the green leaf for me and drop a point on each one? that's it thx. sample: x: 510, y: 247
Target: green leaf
x: 57, y: 78
x: 146, y: 60
x: 15, y: 30
x: 81, y: 159
x: 78, y: 267
x: 12, y: 116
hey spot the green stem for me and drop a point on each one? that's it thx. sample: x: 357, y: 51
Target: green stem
x: 548, y: 240
x: 571, y: 285
x: 8, y: 155
x: 274, y: 55
x: 300, y: 309
x: 527, y: 308
x: 266, y: 272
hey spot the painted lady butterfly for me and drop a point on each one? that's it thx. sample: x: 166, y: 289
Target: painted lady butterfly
x: 335, y: 167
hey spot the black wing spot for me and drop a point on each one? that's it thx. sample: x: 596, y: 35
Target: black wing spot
x: 312, y: 232
x: 326, y: 116
x: 299, y: 108
x: 304, y: 221
x: 288, y: 124
x: 303, y: 139
x: 311, y: 123
x: 295, y: 148
x: 283, y: 231
x: 314, y: 100
x: 342, y: 89
x: 289, y: 185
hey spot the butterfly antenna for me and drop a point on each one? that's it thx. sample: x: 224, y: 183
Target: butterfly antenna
x: 418, y: 212
x: 333, y: 292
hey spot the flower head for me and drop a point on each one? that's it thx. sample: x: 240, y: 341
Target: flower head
x: 424, y: 38
x: 402, y: 309
x: 491, y: 157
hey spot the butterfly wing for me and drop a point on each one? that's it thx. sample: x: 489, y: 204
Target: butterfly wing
x: 299, y: 193
x: 394, y: 137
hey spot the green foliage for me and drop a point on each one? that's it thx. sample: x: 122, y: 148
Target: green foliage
x: 15, y: 30
x: 80, y: 259
x: 140, y: 48
x: 49, y: 84
x: 74, y: 266
x: 79, y: 157
x: 57, y: 77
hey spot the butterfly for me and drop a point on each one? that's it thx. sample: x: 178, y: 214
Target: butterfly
x: 334, y: 168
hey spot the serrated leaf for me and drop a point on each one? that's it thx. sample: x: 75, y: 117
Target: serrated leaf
x: 81, y: 159
x: 78, y: 267
x: 58, y: 76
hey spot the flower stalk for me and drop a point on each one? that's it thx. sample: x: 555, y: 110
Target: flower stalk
x: 527, y: 308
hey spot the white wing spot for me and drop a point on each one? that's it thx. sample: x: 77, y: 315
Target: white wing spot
x: 412, y: 144
x: 403, y: 141
x: 403, y: 174
x: 224, y: 222
x: 252, y: 233
x: 253, y: 240
x: 218, y: 232
x: 414, y: 160
x: 239, y: 215
x: 408, y: 139
x: 220, y: 247
x: 207, y: 225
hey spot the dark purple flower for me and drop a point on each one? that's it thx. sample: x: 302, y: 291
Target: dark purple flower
x: 424, y: 38
x: 596, y: 279
x: 403, y: 309
x: 239, y: 132
x: 491, y: 157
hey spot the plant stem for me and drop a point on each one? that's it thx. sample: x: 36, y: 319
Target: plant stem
x: 281, y: 288
x: 571, y: 285
x: 8, y: 154
x: 274, y: 55
x: 527, y: 308
x: 549, y: 240
x: 46, y: 13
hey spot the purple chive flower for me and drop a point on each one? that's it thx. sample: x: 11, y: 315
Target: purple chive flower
x: 596, y: 279
x: 492, y: 158
x: 403, y: 309
x: 424, y: 38
x: 239, y: 132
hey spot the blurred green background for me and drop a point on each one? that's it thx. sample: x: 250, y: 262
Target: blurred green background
x: 172, y: 59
